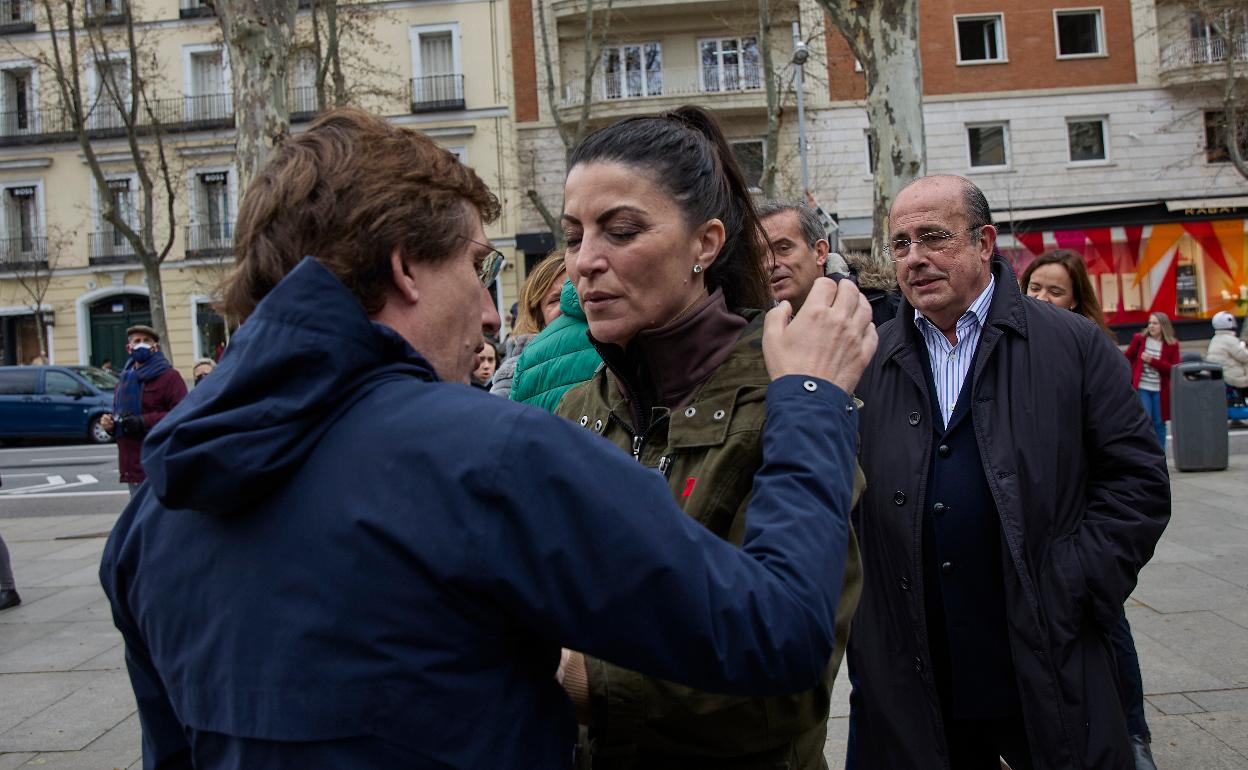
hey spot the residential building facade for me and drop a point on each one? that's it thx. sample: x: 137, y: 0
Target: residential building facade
x: 437, y: 67
x: 1095, y: 127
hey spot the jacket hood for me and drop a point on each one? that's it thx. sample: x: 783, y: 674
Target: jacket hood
x: 569, y: 303
x: 305, y: 354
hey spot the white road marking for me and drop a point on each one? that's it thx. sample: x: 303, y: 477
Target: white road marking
x: 49, y: 448
x: 40, y: 496
x: 55, y: 484
x: 71, y: 459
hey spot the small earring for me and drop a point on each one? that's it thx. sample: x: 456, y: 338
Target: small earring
x: 697, y: 269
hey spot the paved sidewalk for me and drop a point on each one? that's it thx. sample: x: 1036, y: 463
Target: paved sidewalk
x: 65, y: 701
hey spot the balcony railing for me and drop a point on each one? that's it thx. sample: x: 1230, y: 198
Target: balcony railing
x: 1197, y: 51
x: 669, y: 81
x: 435, y: 93
x: 105, y: 12
x: 16, y: 16
x: 110, y: 247
x: 188, y: 113
x: 23, y: 253
x: 193, y: 9
x: 209, y: 241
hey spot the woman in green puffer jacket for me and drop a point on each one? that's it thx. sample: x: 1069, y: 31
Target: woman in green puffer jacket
x: 558, y: 358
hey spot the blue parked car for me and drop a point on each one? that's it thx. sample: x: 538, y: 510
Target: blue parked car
x: 55, y: 402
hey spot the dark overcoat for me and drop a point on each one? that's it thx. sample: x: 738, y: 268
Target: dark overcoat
x: 1082, y: 496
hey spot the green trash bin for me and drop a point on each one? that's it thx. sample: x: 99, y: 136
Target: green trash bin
x: 1198, y: 427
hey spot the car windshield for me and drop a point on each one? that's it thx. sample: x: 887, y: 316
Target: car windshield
x: 97, y: 377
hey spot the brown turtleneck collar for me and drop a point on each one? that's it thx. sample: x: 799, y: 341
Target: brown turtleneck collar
x: 667, y: 365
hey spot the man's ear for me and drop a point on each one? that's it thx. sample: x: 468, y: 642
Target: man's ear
x: 711, y: 238
x: 990, y: 241
x: 821, y: 252
x: 404, y: 284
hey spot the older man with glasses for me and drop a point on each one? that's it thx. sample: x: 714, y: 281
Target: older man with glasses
x: 1014, y: 491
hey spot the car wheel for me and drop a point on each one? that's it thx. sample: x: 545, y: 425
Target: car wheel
x: 96, y: 432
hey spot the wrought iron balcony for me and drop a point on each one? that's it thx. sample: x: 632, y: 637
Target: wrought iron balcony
x: 210, y: 241
x: 668, y: 81
x: 16, y: 16
x: 436, y: 93
x: 23, y: 253
x: 302, y: 103
x: 1201, y: 52
x: 194, y: 9
x: 105, y: 12
x: 179, y: 114
x: 110, y: 247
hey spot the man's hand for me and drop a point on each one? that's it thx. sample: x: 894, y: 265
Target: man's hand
x: 106, y: 422
x: 831, y: 338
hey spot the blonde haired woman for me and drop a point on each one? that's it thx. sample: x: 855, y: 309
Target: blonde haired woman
x: 539, y: 305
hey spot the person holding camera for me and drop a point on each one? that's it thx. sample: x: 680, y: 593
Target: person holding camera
x: 148, y: 390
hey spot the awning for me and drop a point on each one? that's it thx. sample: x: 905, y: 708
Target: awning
x: 1235, y: 201
x: 1022, y: 215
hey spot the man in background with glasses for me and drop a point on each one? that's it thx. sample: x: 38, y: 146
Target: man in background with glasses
x: 1014, y: 491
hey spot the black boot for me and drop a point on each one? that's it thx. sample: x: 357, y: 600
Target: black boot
x: 1142, y: 752
x: 9, y: 598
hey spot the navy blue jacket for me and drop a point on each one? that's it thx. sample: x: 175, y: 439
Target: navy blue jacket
x: 339, y: 561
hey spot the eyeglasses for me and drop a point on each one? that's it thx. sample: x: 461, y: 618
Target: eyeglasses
x: 491, y: 266
x: 937, y: 240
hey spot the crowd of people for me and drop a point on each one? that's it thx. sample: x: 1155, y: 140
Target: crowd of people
x: 343, y: 557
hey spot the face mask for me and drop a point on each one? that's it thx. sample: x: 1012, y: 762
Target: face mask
x: 141, y: 352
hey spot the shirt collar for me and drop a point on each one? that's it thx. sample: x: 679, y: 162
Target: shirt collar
x: 978, y: 308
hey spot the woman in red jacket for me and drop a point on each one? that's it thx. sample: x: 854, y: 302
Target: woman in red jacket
x: 1151, y: 354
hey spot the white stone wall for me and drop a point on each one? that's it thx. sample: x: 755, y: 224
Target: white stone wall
x: 1156, y: 149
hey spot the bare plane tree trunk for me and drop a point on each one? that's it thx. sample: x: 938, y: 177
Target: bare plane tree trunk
x: 258, y: 33
x: 771, y: 142
x: 1231, y: 28
x: 884, y: 35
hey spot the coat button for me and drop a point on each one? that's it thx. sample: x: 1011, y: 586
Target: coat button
x: 719, y: 414
x: 810, y: 385
x: 918, y: 664
x: 939, y: 509
x: 905, y: 583
x: 584, y: 420
x: 598, y: 425
x: 899, y: 497
x: 691, y: 411
x: 946, y: 568
x: 914, y: 418
x: 943, y: 450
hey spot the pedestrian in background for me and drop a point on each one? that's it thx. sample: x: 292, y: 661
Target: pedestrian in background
x: 1229, y: 352
x: 539, y: 305
x: 1060, y: 278
x: 8, y: 588
x: 1152, y: 353
x: 559, y: 357
x: 487, y: 363
x: 202, y: 368
x: 668, y: 256
x: 149, y: 388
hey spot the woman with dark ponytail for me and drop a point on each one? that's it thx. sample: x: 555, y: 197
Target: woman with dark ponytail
x: 667, y: 255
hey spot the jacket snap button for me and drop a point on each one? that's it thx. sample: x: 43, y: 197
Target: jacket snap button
x: 946, y: 568
x: 899, y: 497
x: 914, y: 418
x: 584, y: 420
x: 719, y: 414
x: 905, y: 583
x: 939, y: 509
x: 690, y: 412
x: 598, y: 425
x: 943, y: 450
x: 810, y: 385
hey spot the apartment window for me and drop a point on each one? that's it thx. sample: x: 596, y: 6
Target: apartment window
x: 210, y: 331
x: 121, y: 195
x: 21, y: 218
x: 870, y: 145
x: 1079, y: 33
x: 632, y: 70
x: 213, y: 226
x: 989, y: 145
x: 980, y: 38
x: 751, y: 158
x: 16, y: 16
x: 207, y: 84
x: 111, y: 88
x: 437, y: 78
x: 1088, y: 139
x: 1216, y: 149
x: 105, y: 9
x: 303, y: 92
x: 17, y: 96
x: 730, y: 64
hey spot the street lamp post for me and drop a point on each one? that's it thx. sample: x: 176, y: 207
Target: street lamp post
x: 800, y: 54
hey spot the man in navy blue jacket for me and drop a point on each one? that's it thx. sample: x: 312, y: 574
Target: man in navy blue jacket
x: 342, y: 558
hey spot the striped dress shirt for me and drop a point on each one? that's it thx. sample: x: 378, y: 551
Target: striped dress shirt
x: 950, y: 363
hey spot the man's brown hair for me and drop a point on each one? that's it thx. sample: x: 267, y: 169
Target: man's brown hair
x: 347, y: 192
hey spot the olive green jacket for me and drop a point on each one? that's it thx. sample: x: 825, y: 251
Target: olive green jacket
x: 709, y: 451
